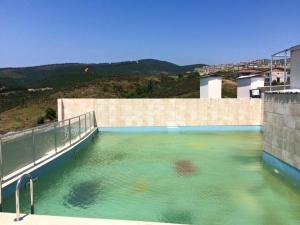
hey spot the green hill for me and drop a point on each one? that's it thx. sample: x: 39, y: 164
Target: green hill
x: 69, y: 74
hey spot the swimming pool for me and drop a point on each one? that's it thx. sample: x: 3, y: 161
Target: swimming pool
x: 185, y: 177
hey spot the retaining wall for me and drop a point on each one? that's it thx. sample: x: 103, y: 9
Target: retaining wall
x: 165, y: 112
x: 282, y: 127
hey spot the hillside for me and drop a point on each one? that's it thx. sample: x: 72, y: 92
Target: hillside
x: 66, y: 75
x: 31, y: 107
x: 21, y: 108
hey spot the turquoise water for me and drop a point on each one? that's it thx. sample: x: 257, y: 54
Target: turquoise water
x: 190, y: 177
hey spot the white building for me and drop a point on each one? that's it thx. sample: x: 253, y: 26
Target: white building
x: 211, y: 86
x: 277, y: 75
x: 295, y: 67
x: 247, y: 83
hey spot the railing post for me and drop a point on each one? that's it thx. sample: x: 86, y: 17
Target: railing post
x: 90, y: 120
x: 79, y: 127
x: 70, y: 132
x: 1, y: 177
x: 33, y: 147
x: 1, y: 208
x: 31, y: 196
x: 271, y: 71
x: 17, y: 205
x: 55, y: 138
x: 85, y: 123
x: 285, y: 74
x: 1, y: 160
x: 94, y: 119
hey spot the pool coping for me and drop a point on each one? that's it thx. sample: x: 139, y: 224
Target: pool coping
x: 209, y: 128
x: 8, y: 219
x: 281, y: 166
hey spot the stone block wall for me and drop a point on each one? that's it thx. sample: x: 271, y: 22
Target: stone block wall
x: 282, y: 127
x: 165, y: 112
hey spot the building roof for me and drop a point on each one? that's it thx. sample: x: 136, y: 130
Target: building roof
x: 248, y: 71
x: 297, y: 47
x: 277, y: 69
x: 250, y: 76
x: 211, y: 75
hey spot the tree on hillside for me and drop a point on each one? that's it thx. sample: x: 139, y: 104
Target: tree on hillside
x: 50, y: 114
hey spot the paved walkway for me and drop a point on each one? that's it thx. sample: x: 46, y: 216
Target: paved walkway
x: 8, y: 219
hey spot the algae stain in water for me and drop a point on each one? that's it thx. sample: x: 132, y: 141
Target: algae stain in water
x: 185, y: 167
x: 83, y: 194
x: 177, y: 216
x: 141, y: 186
x: 108, y: 158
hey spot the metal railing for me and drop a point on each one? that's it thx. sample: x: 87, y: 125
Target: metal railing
x: 22, y: 150
x: 275, y: 88
x: 18, y: 186
x: 1, y: 197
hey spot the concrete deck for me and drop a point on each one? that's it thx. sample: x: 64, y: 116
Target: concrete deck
x: 8, y: 219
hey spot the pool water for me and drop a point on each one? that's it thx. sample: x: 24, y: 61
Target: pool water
x: 191, y: 177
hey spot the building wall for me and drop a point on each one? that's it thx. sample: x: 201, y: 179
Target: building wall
x: 166, y: 112
x: 279, y: 75
x: 79, y: 106
x: 295, y: 68
x: 215, y: 87
x: 204, y: 87
x: 282, y: 127
x: 211, y: 87
x: 257, y: 82
x: 243, y: 88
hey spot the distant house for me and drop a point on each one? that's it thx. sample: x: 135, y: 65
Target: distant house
x: 277, y: 75
x: 247, y: 85
x: 211, y: 86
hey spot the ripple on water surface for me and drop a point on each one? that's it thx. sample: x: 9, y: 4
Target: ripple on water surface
x: 191, y: 178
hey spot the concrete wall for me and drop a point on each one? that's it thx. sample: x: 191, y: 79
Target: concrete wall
x: 295, y: 68
x: 165, y: 112
x: 282, y: 127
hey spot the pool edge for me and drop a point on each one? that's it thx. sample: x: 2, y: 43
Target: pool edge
x: 281, y: 166
x: 212, y: 128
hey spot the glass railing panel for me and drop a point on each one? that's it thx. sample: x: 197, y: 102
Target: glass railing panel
x: 44, y: 141
x: 17, y: 151
x: 62, y: 135
x: 74, y: 123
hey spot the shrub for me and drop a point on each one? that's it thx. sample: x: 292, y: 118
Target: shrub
x: 41, y: 120
x: 50, y: 114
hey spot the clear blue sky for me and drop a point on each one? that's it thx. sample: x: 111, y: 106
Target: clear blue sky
x: 181, y: 31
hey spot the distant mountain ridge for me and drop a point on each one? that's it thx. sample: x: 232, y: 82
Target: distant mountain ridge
x: 67, y: 74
